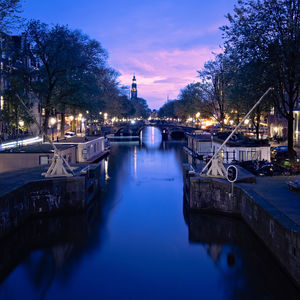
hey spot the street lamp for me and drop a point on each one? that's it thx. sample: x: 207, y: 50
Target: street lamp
x: 52, y: 123
x: 80, y: 120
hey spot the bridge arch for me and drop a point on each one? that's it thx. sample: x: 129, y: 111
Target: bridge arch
x: 177, y: 133
x: 155, y: 126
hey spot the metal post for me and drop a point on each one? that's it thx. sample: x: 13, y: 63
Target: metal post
x: 57, y: 164
x: 215, y: 160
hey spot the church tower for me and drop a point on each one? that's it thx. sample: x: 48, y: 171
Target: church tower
x: 133, y: 88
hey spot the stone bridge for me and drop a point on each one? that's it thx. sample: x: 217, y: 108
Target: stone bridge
x: 168, y: 130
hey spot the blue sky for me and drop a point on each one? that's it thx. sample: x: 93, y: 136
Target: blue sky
x: 164, y: 42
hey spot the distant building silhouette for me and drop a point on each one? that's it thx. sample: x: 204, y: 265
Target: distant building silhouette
x: 133, y: 88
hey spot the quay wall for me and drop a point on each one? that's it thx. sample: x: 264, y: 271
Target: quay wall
x: 48, y: 196
x: 280, y: 234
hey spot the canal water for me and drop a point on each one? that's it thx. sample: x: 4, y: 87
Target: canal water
x: 139, y: 241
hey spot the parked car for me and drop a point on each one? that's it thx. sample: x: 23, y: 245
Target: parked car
x: 281, y: 152
x: 265, y: 168
x: 272, y: 170
x: 70, y: 134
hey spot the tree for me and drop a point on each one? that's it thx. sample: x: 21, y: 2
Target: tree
x: 190, y: 101
x: 66, y: 62
x: 9, y: 10
x: 269, y: 30
x: 247, y: 83
x: 168, y: 109
x: 214, y: 83
x: 141, y: 108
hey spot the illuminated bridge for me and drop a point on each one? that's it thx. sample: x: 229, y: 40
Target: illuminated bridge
x: 167, y: 129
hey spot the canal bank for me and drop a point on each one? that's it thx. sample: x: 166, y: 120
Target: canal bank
x: 142, y: 243
x: 26, y: 194
x: 268, y: 207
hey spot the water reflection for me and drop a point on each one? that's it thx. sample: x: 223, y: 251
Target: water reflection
x: 151, y: 138
x: 45, y: 246
x: 247, y: 269
x: 136, y: 243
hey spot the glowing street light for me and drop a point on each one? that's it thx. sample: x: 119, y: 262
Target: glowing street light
x: 52, y: 123
x: 21, y: 123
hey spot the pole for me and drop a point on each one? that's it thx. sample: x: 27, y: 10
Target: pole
x: 42, y: 130
x: 236, y: 128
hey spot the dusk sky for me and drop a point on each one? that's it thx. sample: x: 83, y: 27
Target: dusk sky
x: 164, y: 42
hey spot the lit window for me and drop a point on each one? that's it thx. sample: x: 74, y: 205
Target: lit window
x: 1, y: 103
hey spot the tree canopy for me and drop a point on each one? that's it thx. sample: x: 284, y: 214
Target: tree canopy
x: 9, y: 14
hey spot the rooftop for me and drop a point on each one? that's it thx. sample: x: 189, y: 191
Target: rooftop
x: 78, y: 139
x: 239, y: 140
x: 200, y: 136
x: 38, y: 148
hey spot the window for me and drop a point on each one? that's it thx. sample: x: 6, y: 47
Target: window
x: 44, y: 160
x: 242, y: 155
x: 1, y: 103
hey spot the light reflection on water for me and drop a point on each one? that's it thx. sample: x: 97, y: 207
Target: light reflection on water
x: 138, y: 241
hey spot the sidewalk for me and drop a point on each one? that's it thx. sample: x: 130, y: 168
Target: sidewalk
x: 275, y: 191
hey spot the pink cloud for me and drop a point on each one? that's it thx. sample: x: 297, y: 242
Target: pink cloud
x: 161, y: 74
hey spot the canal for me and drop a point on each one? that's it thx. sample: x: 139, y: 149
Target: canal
x: 139, y: 241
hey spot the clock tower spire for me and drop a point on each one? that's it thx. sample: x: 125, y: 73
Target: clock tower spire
x: 133, y: 88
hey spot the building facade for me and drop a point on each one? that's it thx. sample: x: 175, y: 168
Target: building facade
x: 278, y: 125
x: 15, y: 53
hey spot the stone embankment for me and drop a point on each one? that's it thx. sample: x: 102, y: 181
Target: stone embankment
x: 26, y: 194
x: 276, y: 224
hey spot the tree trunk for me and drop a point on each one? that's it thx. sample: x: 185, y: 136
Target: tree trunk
x: 257, y: 130
x: 74, y: 125
x: 45, y: 123
x: 62, y: 127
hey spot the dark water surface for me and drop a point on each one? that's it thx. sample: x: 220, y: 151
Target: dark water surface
x: 139, y: 241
